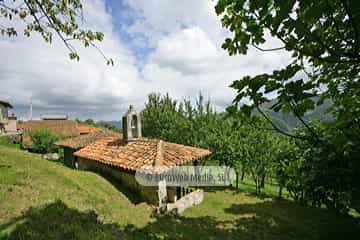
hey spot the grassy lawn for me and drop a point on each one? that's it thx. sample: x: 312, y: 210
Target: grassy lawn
x: 45, y: 200
x: 6, y: 141
x: 272, y: 190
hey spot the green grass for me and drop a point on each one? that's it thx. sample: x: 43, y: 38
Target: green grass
x: 271, y: 190
x: 6, y: 141
x: 45, y: 200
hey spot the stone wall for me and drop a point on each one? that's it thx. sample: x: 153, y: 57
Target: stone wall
x: 127, y: 179
x: 10, y: 127
x: 186, y: 202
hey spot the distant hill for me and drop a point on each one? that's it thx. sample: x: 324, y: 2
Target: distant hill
x: 289, y: 121
x: 284, y: 121
x: 117, y: 124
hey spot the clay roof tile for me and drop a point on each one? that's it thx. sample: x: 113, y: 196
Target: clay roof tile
x: 143, y: 152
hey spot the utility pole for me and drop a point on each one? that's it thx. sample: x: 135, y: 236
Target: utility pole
x: 30, y: 117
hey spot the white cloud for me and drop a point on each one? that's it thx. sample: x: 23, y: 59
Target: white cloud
x: 30, y: 67
x: 187, y: 58
x: 187, y: 62
x: 189, y: 50
x: 159, y: 17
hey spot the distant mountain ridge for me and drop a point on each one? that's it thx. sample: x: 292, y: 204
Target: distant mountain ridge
x: 284, y: 121
x: 287, y: 121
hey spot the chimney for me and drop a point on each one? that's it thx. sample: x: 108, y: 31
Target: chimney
x: 131, y: 125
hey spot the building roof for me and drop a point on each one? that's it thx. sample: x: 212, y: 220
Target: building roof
x: 85, y: 129
x: 84, y: 140
x: 57, y: 127
x: 5, y: 103
x: 54, y: 117
x: 134, y: 155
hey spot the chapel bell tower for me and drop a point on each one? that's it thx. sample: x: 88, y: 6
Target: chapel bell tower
x: 131, y: 125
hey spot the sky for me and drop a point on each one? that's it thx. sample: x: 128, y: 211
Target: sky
x: 158, y: 46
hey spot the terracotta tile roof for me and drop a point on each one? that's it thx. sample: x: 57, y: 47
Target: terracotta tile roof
x: 84, y: 140
x: 137, y: 154
x: 85, y: 129
x: 57, y: 127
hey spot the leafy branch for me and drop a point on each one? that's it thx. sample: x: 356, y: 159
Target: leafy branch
x: 50, y: 16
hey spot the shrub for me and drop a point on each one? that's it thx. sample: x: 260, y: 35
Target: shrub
x: 5, y: 140
x: 43, y: 141
x: 10, y: 140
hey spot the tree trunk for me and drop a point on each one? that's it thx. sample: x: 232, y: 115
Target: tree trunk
x: 257, y: 183
x: 237, y: 181
x: 280, y: 192
x: 242, y: 174
x: 262, y: 184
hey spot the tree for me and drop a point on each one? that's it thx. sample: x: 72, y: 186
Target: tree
x: 90, y: 122
x: 323, y: 37
x: 200, y: 118
x: 234, y: 142
x: 225, y: 142
x: 243, y: 144
x: 329, y: 174
x: 43, y: 141
x: 162, y: 119
x: 324, y: 40
x: 108, y: 126
x: 179, y: 122
x: 260, y: 145
x: 288, y: 168
x: 49, y: 17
